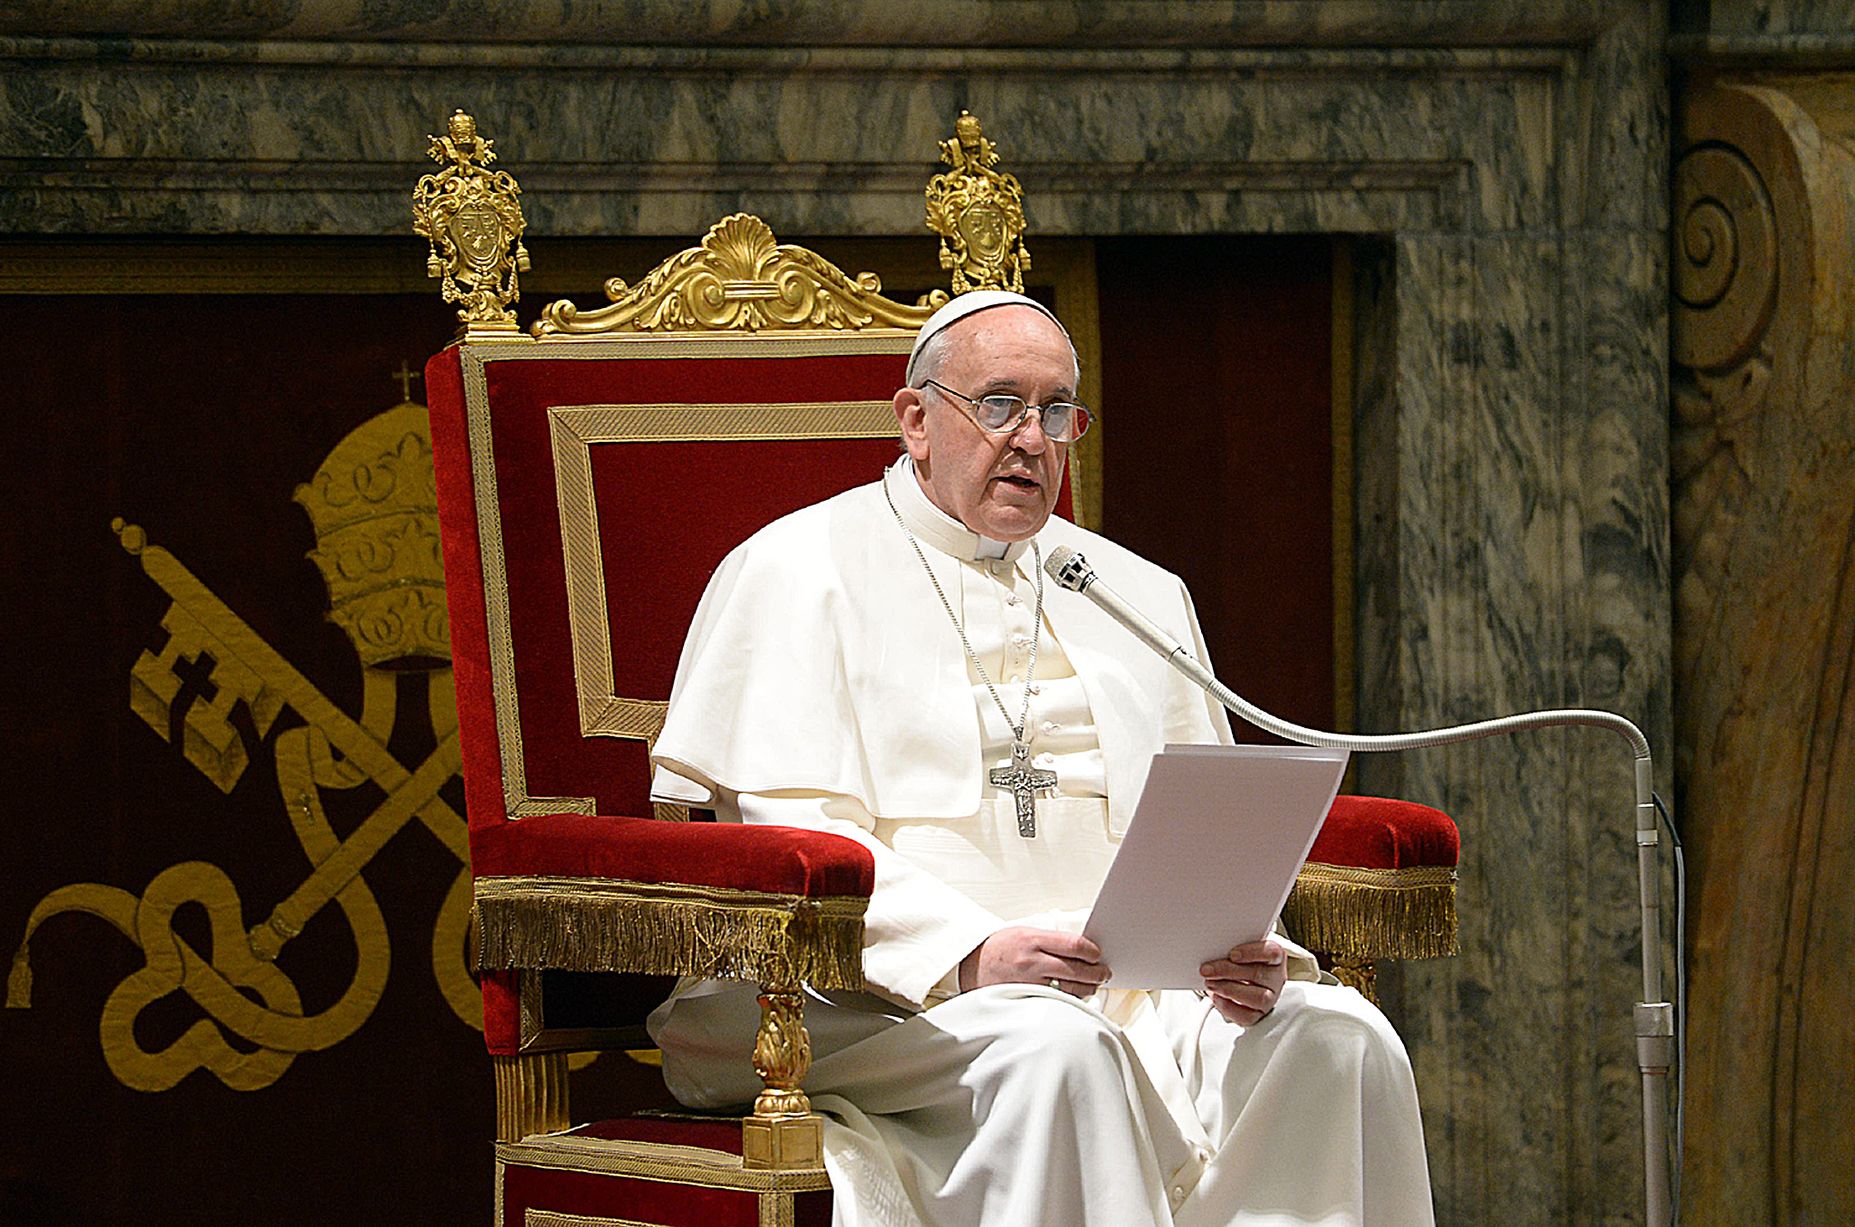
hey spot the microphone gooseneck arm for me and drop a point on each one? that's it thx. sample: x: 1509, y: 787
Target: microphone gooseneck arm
x: 1655, y: 1022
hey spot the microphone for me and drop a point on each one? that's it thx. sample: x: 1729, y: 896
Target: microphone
x: 1072, y: 571
x: 1655, y: 1023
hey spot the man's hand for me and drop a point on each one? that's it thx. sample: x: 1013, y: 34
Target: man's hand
x: 1246, y: 986
x: 1035, y: 956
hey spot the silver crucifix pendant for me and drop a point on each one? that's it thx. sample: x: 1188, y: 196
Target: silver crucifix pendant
x: 1024, y: 781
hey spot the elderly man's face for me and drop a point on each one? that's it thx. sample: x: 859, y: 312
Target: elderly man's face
x: 1000, y: 486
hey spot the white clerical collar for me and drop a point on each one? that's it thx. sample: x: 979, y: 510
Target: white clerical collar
x: 934, y: 526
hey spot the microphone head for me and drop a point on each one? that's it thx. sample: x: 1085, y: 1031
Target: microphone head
x: 1069, y: 568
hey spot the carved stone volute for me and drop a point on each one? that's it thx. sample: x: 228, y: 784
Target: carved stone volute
x: 1763, y: 272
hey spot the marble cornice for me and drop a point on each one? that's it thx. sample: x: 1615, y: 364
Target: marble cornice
x: 100, y: 171
x: 814, y: 23
x: 696, y: 61
x: 1764, y: 51
x: 1356, y: 195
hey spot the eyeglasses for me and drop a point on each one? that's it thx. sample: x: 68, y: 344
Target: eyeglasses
x: 1001, y: 414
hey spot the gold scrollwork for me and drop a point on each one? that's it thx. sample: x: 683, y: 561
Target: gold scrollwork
x: 739, y: 278
x: 472, y: 218
x: 978, y: 212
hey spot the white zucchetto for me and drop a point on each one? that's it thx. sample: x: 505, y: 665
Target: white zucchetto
x: 971, y: 303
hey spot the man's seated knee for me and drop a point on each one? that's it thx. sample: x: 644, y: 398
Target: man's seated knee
x: 1041, y: 1032
x: 1336, y: 1017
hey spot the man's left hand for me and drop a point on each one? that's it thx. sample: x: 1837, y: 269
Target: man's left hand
x: 1246, y: 986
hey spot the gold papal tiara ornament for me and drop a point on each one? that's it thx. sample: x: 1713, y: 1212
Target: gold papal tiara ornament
x: 472, y: 217
x: 978, y: 213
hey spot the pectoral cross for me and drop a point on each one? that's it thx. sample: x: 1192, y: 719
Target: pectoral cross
x: 1024, y: 781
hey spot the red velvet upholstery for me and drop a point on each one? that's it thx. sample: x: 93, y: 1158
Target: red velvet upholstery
x: 783, y: 860
x: 1381, y: 833
x: 502, y: 1011
x: 667, y: 513
x: 670, y: 1131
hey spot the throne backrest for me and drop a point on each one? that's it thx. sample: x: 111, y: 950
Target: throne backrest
x: 591, y: 477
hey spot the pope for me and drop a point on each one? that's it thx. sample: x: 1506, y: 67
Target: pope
x: 889, y: 666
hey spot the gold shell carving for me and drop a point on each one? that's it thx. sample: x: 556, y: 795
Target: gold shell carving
x: 978, y: 212
x: 472, y: 218
x: 739, y: 278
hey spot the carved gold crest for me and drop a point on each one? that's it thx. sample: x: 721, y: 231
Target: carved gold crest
x: 740, y: 277
x: 978, y: 212
x: 472, y: 218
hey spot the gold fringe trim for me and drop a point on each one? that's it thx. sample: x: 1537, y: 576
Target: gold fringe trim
x: 603, y: 924
x: 531, y: 1094
x: 1356, y: 914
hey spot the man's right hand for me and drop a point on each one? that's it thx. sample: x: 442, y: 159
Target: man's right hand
x: 1066, y: 961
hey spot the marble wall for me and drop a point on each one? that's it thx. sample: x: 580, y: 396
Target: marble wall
x: 1503, y: 164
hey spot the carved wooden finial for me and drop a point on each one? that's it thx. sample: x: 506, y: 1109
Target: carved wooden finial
x: 978, y: 212
x: 472, y: 218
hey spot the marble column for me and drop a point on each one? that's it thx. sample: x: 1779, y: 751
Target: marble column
x: 1764, y: 481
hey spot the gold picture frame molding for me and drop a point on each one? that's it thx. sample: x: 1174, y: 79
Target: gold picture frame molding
x: 590, y: 632
x: 573, y: 431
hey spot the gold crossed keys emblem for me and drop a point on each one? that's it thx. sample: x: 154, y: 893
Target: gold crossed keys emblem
x: 375, y: 515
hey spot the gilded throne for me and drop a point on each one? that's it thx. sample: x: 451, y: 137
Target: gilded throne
x: 591, y: 473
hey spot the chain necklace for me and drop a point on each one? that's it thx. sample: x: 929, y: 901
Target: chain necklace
x: 1021, y: 778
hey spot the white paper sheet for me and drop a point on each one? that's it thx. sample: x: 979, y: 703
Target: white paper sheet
x: 1209, y: 857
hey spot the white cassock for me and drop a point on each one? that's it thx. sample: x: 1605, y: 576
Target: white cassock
x: 823, y: 685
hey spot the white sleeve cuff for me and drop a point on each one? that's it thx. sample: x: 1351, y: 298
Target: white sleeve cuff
x: 916, y: 929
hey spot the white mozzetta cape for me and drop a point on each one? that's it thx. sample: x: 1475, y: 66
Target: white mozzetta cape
x: 820, y: 659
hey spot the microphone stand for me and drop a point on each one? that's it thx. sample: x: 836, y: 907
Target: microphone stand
x: 1655, y: 1018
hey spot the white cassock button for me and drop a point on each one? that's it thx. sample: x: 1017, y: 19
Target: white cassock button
x: 1051, y: 726
x: 1020, y: 640
x: 1178, y: 1196
x: 1014, y: 599
x: 1045, y: 761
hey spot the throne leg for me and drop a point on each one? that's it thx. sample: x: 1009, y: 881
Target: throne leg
x: 531, y: 1094
x: 783, y: 1132
x: 1361, y: 974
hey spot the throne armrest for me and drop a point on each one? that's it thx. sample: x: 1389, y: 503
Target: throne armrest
x: 577, y: 892
x: 1379, y: 883
x: 594, y: 893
